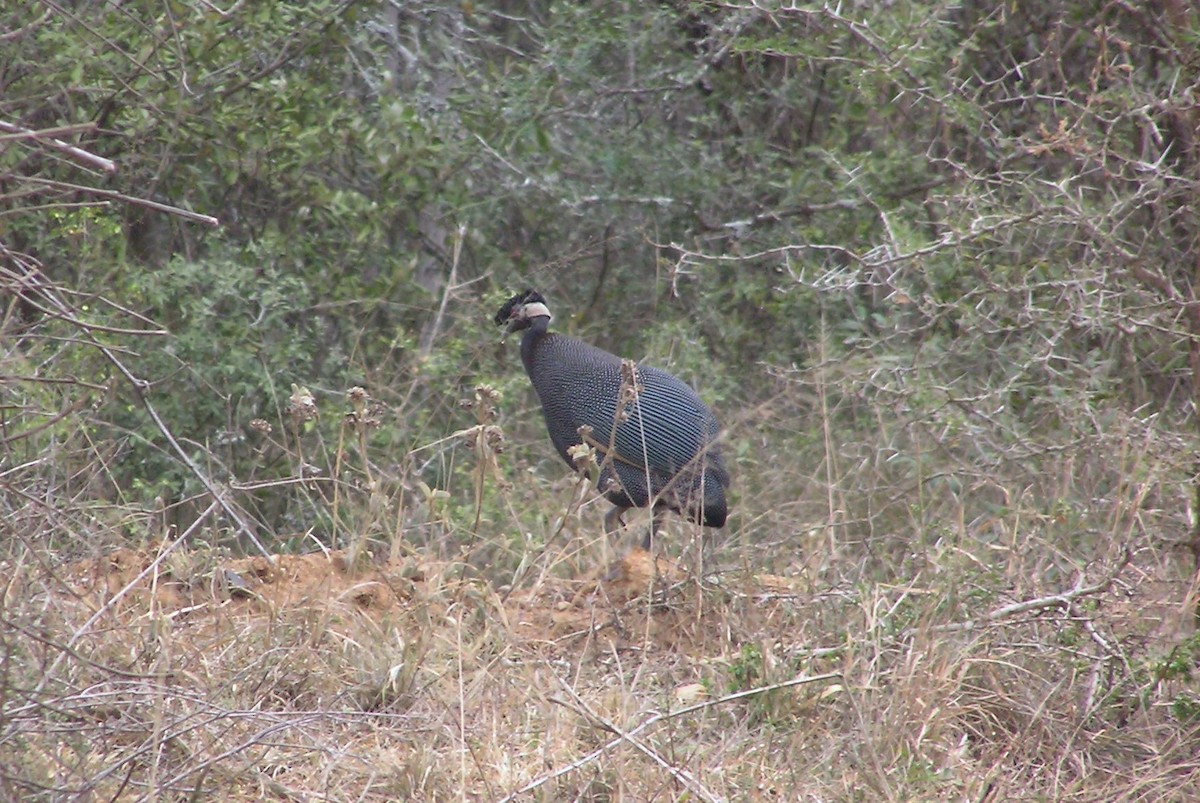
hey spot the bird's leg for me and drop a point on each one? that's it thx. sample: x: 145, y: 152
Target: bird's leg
x: 655, y: 523
x: 613, y: 521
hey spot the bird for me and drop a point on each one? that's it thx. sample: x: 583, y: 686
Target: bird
x: 655, y: 438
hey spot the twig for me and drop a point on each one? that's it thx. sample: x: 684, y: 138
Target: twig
x: 1062, y: 600
x: 66, y: 411
x: 108, y: 606
x: 53, y: 380
x: 10, y: 36
x: 76, y: 153
x: 32, y: 281
x: 140, y: 386
x: 154, y: 564
x: 592, y: 756
x: 208, y: 220
x: 678, y: 774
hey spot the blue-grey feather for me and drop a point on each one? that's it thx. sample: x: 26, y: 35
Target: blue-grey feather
x: 669, y: 437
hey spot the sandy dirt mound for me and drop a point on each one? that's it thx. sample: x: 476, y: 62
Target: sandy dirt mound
x: 640, y: 599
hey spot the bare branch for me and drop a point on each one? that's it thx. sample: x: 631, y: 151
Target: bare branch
x: 187, y: 214
x: 661, y: 717
x: 139, y: 387
x: 46, y: 137
x: 1063, y: 600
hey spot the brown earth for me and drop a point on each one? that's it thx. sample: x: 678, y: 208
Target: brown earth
x: 607, y: 603
x: 303, y: 677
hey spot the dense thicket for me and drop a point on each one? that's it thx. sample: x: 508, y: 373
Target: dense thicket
x: 933, y: 264
x: 977, y: 217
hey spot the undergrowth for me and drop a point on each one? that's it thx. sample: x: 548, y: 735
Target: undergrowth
x: 888, y: 615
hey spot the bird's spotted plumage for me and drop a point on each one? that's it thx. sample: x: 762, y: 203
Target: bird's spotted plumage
x: 663, y: 453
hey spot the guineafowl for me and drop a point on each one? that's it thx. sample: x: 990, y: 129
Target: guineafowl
x: 663, y: 451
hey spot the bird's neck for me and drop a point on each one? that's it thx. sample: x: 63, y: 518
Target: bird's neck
x: 535, y: 332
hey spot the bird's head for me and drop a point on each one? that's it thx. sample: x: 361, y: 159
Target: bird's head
x: 520, y: 310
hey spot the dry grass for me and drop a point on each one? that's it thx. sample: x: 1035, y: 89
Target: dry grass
x: 312, y: 680
x: 923, y: 611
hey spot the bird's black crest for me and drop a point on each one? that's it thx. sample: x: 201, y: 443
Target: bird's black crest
x: 528, y: 297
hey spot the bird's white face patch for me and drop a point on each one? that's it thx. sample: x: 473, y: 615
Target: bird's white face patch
x: 535, y: 310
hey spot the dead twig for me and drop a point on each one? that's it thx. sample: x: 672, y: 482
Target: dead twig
x: 681, y: 775
x: 46, y: 138
x: 140, y: 387
x: 660, y: 717
x: 113, y: 195
x: 1063, y: 600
